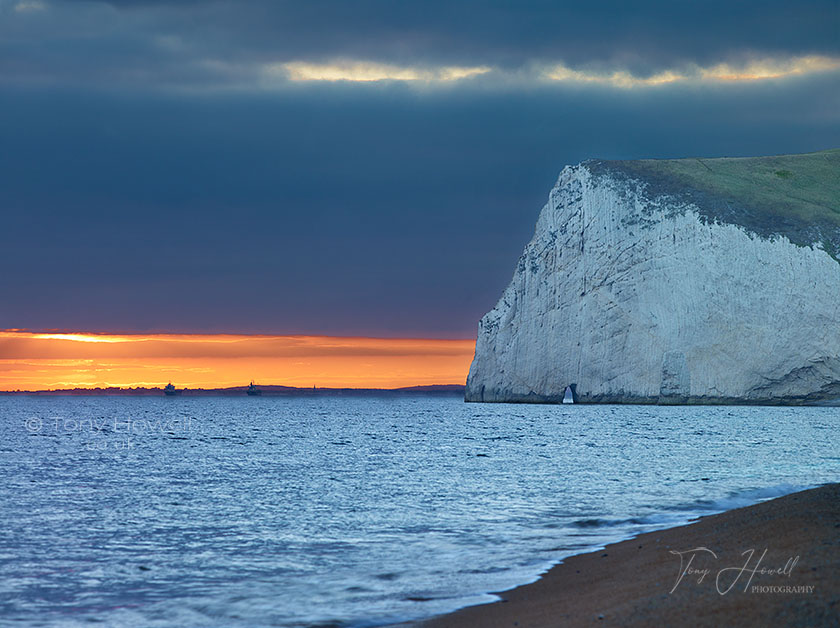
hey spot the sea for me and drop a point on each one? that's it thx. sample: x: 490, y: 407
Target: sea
x: 357, y: 511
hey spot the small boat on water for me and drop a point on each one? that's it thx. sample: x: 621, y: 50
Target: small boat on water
x: 169, y: 390
x: 253, y: 391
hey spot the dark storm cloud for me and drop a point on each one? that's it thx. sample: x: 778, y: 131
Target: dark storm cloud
x: 224, y: 42
x: 480, y: 31
x: 375, y: 209
x: 329, y: 210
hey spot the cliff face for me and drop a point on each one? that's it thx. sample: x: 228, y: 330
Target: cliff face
x: 645, y: 286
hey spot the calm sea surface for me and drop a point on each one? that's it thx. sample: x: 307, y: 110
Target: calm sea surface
x: 356, y: 511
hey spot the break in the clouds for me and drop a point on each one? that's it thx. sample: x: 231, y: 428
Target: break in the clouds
x: 266, y: 44
x: 354, y: 168
x: 364, y: 72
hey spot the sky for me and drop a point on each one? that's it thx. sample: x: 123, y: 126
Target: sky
x: 39, y: 361
x: 366, y: 168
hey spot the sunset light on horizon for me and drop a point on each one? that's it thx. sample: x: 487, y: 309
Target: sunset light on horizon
x: 48, y: 361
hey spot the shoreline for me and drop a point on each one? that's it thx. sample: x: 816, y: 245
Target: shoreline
x: 776, y: 562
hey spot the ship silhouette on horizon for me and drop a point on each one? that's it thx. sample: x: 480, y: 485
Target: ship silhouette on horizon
x: 170, y: 391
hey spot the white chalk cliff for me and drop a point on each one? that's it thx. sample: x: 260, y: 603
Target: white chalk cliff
x: 643, y: 288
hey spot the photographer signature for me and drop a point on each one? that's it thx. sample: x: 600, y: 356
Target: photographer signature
x: 723, y: 576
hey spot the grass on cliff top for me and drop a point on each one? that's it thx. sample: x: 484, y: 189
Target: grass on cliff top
x: 802, y: 187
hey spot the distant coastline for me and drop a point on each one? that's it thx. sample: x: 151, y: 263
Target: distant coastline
x: 237, y: 391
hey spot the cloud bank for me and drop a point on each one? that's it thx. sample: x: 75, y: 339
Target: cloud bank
x: 354, y: 168
x: 252, y: 44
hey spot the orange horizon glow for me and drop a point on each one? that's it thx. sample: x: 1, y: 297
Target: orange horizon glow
x: 58, y: 360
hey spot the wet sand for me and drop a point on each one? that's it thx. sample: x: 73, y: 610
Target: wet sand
x: 795, y: 541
